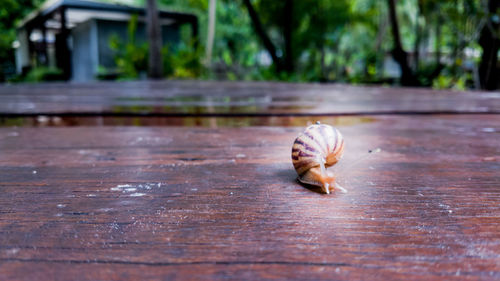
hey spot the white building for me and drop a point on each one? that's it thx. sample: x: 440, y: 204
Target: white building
x: 74, y: 35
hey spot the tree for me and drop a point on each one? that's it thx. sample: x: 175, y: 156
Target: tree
x: 295, y: 27
x: 399, y: 54
x: 288, y: 25
x: 261, y: 32
x: 211, y: 30
x: 155, y: 67
x: 490, y: 42
x: 11, y: 12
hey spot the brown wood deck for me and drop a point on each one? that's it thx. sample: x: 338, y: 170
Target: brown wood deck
x: 205, y: 98
x: 221, y: 201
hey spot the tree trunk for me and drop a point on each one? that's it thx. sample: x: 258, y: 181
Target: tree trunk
x: 259, y: 29
x: 323, y: 76
x: 398, y: 53
x: 437, y: 50
x: 382, y: 27
x: 287, y: 35
x: 490, y: 42
x: 155, y: 69
x: 437, y: 46
x: 418, y: 37
x: 211, y: 30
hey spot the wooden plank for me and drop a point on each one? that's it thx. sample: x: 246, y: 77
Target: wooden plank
x: 230, y: 98
x: 135, y: 203
x: 189, y: 121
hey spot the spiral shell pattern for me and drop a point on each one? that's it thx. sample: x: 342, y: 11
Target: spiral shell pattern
x: 318, y: 142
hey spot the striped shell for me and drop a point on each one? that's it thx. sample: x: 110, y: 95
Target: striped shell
x: 318, y: 147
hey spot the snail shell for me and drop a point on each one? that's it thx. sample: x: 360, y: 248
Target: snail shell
x: 318, y: 147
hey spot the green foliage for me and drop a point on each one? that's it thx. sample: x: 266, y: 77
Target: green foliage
x: 131, y: 57
x: 39, y: 74
x: 180, y: 61
x: 197, y: 7
x: 11, y: 12
x: 314, y: 22
x: 449, y: 82
x: 235, y: 41
x: 42, y: 73
x: 331, y: 40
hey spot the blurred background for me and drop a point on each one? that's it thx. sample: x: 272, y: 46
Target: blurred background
x: 447, y: 44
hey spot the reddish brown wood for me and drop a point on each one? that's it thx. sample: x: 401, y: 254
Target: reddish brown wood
x: 222, y: 203
x: 216, y: 98
x: 190, y: 121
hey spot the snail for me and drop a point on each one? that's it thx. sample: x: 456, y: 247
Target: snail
x: 320, y: 146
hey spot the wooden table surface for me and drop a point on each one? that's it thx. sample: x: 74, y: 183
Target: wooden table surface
x: 221, y: 202
x: 204, y: 98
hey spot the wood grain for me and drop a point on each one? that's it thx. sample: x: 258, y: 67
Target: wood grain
x: 207, y: 98
x: 165, y: 203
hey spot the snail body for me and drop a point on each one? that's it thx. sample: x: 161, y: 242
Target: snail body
x: 320, y: 146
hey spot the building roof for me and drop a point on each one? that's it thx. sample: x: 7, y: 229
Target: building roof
x: 80, y: 10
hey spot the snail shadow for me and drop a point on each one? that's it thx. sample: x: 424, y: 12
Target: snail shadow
x: 290, y: 176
